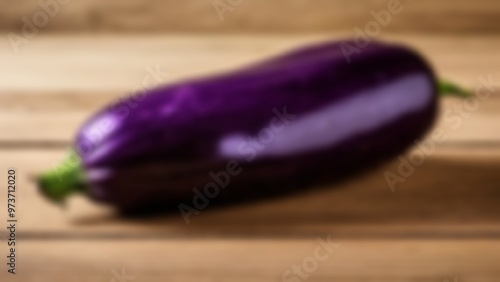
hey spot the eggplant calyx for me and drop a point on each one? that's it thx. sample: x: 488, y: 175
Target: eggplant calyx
x: 447, y: 88
x: 64, y: 180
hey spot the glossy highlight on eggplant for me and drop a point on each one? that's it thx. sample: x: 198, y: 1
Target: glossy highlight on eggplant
x: 302, y: 119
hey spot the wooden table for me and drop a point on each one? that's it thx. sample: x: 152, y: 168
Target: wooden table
x: 442, y: 223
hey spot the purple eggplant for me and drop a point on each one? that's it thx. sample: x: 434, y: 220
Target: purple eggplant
x: 299, y: 120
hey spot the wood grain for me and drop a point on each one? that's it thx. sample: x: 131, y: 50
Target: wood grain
x: 70, y: 77
x: 258, y: 260
x: 95, y: 64
x: 460, y: 16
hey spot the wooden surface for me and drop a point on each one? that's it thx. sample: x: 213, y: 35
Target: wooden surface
x: 441, y: 223
x: 458, y: 16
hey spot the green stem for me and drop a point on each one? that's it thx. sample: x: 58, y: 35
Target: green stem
x: 447, y: 88
x: 65, y: 179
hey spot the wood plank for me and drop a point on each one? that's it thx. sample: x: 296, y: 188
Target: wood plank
x: 69, y: 81
x: 97, y: 63
x: 255, y: 16
x: 257, y: 260
x: 453, y: 193
x: 54, y: 119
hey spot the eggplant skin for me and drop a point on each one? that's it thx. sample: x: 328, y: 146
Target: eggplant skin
x: 298, y: 120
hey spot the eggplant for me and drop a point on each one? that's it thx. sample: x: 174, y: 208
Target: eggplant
x: 303, y: 119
